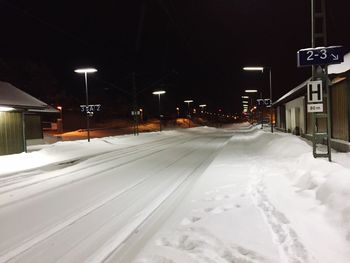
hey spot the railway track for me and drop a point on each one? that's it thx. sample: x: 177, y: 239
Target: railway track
x: 100, y: 228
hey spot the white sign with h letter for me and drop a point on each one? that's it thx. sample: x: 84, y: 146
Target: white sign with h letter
x: 314, y: 91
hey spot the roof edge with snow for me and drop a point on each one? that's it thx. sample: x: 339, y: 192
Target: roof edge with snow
x: 13, y: 97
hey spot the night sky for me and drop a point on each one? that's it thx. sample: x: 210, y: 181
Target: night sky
x: 191, y: 48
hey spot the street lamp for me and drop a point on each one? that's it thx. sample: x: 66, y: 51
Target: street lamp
x: 141, y: 113
x: 250, y: 91
x: 251, y: 102
x: 202, y: 106
x: 189, y: 113
x: 270, y: 77
x: 60, y: 127
x: 86, y: 71
x: 159, y: 92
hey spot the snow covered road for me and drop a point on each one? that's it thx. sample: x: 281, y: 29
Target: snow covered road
x: 187, y: 196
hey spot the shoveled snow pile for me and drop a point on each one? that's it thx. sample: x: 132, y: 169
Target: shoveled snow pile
x: 263, y: 199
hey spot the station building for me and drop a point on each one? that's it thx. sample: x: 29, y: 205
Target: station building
x: 291, y: 109
x: 20, y: 118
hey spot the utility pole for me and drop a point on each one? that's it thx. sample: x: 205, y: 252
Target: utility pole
x: 135, y: 108
x: 319, y: 38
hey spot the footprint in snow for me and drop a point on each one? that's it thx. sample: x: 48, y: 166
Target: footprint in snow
x: 221, y: 209
x: 219, y: 197
x: 187, y: 221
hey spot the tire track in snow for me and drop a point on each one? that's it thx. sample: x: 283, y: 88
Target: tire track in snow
x: 109, y: 254
x: 290, y: 247
x: 120, y: 238
x: 145, y: 152
x: 13, y: 178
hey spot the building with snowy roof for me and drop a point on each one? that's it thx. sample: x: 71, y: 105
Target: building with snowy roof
x: 291, y: 108
x: 19, y: 118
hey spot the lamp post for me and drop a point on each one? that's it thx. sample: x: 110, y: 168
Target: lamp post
x: 86, y: 71
x: 256, y: 91
x: 159, y: 92
x: 270, y: 78
x: 202, y: 106
x: 141, y: 114
x: 189, y: 112
x: 60, y: 125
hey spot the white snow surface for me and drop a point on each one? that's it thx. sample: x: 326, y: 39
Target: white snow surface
x: 342, y: 67
x: 233, y: 195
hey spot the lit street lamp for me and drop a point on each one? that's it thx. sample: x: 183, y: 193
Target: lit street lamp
x: 159, y: 92
x: 86, y: 71
x: 202, y: 106
x: 60, y: 128
x: 189, y: 112
x: 254, y: 91
x: 270, y: 77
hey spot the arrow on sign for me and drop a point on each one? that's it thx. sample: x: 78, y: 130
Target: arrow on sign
x: 335, y: 57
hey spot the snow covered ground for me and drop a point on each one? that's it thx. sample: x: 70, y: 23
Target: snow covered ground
x: 238, y: 194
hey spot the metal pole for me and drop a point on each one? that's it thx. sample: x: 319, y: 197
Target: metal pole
x: 262, y: 112
x: 87, y: 105
x: 271, y: 109
x: 189, y: 123
x: 24, y: 133
x: 313, y: 116
x: 329, y: 116
x: 160, y: 117
x: 312, y: 24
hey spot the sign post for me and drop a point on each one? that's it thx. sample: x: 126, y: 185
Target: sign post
x: 320, y: 56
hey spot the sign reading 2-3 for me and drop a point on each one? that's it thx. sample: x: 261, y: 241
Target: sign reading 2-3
x: 320, y: 56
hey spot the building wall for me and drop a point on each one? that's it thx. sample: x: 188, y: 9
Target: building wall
x: 33, y: 127
x: 11, y: 133
x: 295, y: 116
x: 340, y: 114
x: 281, y: 117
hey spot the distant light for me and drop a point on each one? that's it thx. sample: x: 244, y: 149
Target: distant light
x: 251, y: 90
x: 59, y: 107
x: 141, y: 110
x: 188, y: 101
x: 3, y: 108
x: 85, y: 70
x: 245, y: 97
x: 245, y: 102
x: 177, y: 108
x: 254, y: 68
x: 203, y: 105
x: 158, y: 92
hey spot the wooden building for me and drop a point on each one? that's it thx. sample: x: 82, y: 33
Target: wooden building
x: 19, y: 118
x: 291, y: 109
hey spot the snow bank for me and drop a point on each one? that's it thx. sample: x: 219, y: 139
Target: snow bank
x: 306, y: 201
x: 43, y: 155
x: 330, y: 182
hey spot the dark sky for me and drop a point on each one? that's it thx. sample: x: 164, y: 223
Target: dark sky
x: 192, y: 48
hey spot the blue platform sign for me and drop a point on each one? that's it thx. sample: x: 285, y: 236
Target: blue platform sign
x: 320, y: 56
